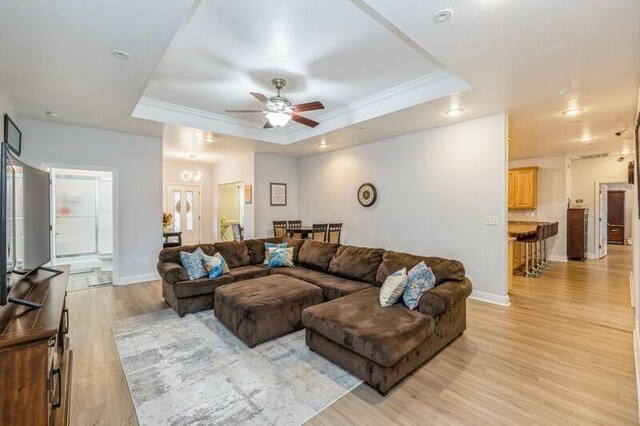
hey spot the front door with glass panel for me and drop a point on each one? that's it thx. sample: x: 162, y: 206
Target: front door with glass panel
x: 183, y: 202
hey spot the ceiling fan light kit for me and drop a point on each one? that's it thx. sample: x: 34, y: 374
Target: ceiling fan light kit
x: 280, y: 110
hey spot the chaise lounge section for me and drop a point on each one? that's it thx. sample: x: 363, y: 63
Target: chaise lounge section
x: 333, y: 291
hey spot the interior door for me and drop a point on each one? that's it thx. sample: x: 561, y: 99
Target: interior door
x: 183, y: 202
x: 602, y: 226
x: 615, y: 213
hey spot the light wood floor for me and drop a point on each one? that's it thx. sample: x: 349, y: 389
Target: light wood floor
x: 562, y: 353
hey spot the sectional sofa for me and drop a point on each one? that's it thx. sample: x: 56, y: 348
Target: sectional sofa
x: 341, y: 312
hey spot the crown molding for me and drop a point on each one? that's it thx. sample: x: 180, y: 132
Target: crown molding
x: 166, y: 112
x: 427, y: 88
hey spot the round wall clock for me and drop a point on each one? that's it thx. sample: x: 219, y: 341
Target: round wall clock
x: 367, y: 194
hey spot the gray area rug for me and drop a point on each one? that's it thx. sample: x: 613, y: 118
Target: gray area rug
x: 192, y: 370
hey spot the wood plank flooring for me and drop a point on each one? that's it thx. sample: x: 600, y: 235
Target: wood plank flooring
x: 562, y: 353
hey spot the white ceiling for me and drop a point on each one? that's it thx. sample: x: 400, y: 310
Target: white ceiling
x: 382, y: 65
x: 56, y: 56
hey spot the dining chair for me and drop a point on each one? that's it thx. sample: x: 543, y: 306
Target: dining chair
x: 295, y: 224
x: 280, y: 228
x: 237, y: 232
x: 333, y: 233
x: 319, y: 232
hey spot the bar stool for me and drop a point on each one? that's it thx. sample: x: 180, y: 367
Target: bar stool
x: 531, y: 245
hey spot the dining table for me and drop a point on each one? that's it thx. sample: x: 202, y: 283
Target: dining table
x: 303, y: 230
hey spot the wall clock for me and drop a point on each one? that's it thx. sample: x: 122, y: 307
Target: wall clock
x: 367, y: 194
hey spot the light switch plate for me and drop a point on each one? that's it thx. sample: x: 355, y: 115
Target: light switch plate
x: 491, y: 220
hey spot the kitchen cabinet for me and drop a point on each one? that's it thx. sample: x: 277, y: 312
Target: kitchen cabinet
x: 523, y: 188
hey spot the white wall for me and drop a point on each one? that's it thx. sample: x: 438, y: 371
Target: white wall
x: 137, y: 165
x: 239, y: 169
x: 552, y: 200
x: 434, y: 190
x: 171, y: 171
x: 272, y: 168
x: 628, y: 205
x: 584, y: 174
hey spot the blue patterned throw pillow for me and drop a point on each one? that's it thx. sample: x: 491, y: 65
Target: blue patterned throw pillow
x: 215, y: 265
x: 420, y: 279
x: 280, y: 257
x: 192, y: 263
x: 268, y: 246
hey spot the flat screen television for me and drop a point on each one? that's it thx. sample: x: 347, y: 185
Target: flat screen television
x: 12, y: 135
x: 25, y: 221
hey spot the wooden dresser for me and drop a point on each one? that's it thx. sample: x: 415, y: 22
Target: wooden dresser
x: 35, y: 359
x: 577, y: 233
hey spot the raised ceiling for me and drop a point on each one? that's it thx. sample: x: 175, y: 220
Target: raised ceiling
x: 381, y: 67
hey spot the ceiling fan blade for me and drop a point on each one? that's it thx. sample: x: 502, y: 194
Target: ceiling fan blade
x: 268, y: 125
x: 309, y: 106
x: 304, y: 120
x: 260, y: 97
x: 243, y: 110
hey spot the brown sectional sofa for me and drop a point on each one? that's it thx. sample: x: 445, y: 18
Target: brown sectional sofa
x: 346, y: 324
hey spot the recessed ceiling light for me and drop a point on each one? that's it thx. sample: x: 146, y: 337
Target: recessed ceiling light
x: 625, y: 151
x: 322, y: 145
x: 586, y: 138
x: 121, y: 54
x: 209, y: 139
x: 572, y: 112
x: 442, y: 16
x: 193, y: 156
x: 454, y: 112
x: 53, y: 114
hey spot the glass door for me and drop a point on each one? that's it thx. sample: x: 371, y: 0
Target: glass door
x: 183, y: 202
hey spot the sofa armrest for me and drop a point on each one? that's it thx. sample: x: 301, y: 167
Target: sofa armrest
x: 172, y: 272
x: 442, y: 297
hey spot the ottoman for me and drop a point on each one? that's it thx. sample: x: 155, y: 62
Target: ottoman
x: 263, y: 308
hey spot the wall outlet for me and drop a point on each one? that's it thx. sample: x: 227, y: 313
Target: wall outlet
x: 491, y: 220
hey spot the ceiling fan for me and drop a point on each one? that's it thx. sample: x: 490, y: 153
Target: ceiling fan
x: 279, y: 110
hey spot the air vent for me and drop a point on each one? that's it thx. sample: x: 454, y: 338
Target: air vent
x: 587, y: 157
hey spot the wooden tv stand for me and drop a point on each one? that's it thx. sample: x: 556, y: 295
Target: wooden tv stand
x: 35, y: 359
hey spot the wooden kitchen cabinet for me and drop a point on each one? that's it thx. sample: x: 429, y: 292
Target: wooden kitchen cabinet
x: 523, y: 188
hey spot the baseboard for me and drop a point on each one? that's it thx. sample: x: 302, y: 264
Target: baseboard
x: 556, y: 258
x: 134, y: 279
x: 631, y: 289
x: 636, y: 353
x: 490, y: 298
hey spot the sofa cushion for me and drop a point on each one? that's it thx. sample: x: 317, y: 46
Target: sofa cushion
x: 358, y: 322
x: 256, y: 248
x: 332, y: 287
x: 359, y: 263
x: 248, y: 272
x: 419, y: 279
x: 296, y: 243
x: 172, y: 254
x: 235, y: 253
x: 193, y: 263
x: 202, y: 286
x: 443, y: 269
x: 317, y: 255
x: 172, y: 272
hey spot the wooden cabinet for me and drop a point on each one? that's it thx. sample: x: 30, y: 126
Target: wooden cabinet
x: 35, y: 359
x: 577, y: 236
x: 523, y: 188
x: 615, y: 217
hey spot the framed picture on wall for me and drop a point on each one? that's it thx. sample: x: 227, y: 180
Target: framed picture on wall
x: 278, y: 194
x: 637, y: 162
x: 248, y: 194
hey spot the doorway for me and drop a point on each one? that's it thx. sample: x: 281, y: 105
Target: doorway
x: 230, y: 209
x: 613, y: 215
x: 82, y: 225
x: 183, y: 202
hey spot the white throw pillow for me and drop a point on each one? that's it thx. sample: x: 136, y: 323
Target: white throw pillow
x: 393, y: 288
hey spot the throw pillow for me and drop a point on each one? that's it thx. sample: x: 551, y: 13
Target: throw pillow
x: 192, y: 263
x: 268, y: 246
x: 393, y: 287
x: 420, y: 279
x: 280, y: 257
x: 215, y: 265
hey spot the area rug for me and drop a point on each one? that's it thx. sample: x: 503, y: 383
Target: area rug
x: 193, y: 371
